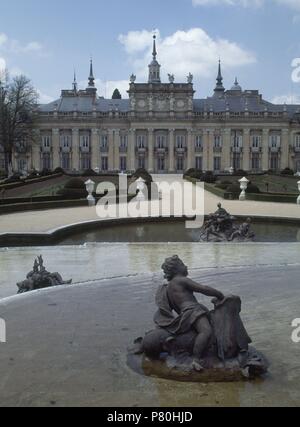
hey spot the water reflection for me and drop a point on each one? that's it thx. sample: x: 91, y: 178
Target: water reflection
x: 175, y: 232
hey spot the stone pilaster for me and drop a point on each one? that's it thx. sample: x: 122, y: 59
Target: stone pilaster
x: 117, y: 144
x: 171, y: 150
x: 95, y: 146
x: 265, y: 150
x: 151, y: 150
x: 131, y: 148
x: 191, y: 149
x: 226, y: 149
x: 55, y: 148
x: 246, y: 150
x: 111, y: 150
x: 35, y: 154
x: 211, y: 138
x: 206, y: 150
x: 285, y: 148
x: 75, y: 149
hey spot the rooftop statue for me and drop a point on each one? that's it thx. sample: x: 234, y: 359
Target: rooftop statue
x: 220, y: 227
x: 171, y: 78
x: 40, y: 278
x: 190, y: 78
x: 191, y: 342
x: 132, y: 78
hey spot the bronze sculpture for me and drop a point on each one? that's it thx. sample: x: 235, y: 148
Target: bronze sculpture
x: 192, y: 343
x: 40, y: 278
x: 220, y: 227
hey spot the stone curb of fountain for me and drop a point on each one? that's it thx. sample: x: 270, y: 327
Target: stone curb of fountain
x: 13, y: 239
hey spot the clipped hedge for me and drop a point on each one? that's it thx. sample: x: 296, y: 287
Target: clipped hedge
x: 275, y: 198
x: 74, y: 189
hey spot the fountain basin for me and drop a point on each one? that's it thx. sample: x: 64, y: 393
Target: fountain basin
x: 68, y: 346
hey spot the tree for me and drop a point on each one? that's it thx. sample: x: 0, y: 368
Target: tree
x: 18, y: 100
x: 117, y: 94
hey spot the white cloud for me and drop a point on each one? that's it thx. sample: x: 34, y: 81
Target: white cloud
x: 293, y: 4
x: 183, y: 52
x: 43, y: 98
x: 15, y: 46
x: 3, y: 39
x: 286, y: 99
x: 2, y: 64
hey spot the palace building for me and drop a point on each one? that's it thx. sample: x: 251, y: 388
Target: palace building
x: 163, y: 128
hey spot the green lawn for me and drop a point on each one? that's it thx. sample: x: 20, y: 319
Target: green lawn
x: 47, y: 188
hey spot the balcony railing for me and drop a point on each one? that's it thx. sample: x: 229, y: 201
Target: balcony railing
x: 237, y: 149
x: 141, y: 150
x: 218, y: 149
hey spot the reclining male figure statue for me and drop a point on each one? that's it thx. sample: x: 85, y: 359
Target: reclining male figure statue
x: 178, y: 295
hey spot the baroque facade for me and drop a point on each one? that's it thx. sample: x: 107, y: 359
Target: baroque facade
x: 163, y: 128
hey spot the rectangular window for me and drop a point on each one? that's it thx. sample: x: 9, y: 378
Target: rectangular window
x: 46, y: 161
x: 297, y: 141
x: 85, y: 141
x: 275, y: 141
x: 237, y: 141
x: 161, y: 141
x: 237, y: 161
x: 180, y: 164
x: 199, y: 163
x: 274, y: 163
x: 141, y: 141
x: 104, y: 164
x: 123, y: 164
x: 142, y: 163
x: 161, y: 164
x: 66, y: 161
x: 218, y: 141
x: 22, y: 165
x: 66, y: 141
x: 198, y: 141
x: 46, y: 141
x: 256, y: 141
x: 123, y: 141
x: 217, y: 163
x: 180, y: 141
x: 255, y: 162
x: 85, y: 161
x: 104, y: 141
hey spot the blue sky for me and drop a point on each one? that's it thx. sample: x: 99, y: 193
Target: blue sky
x: 256, y: 40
